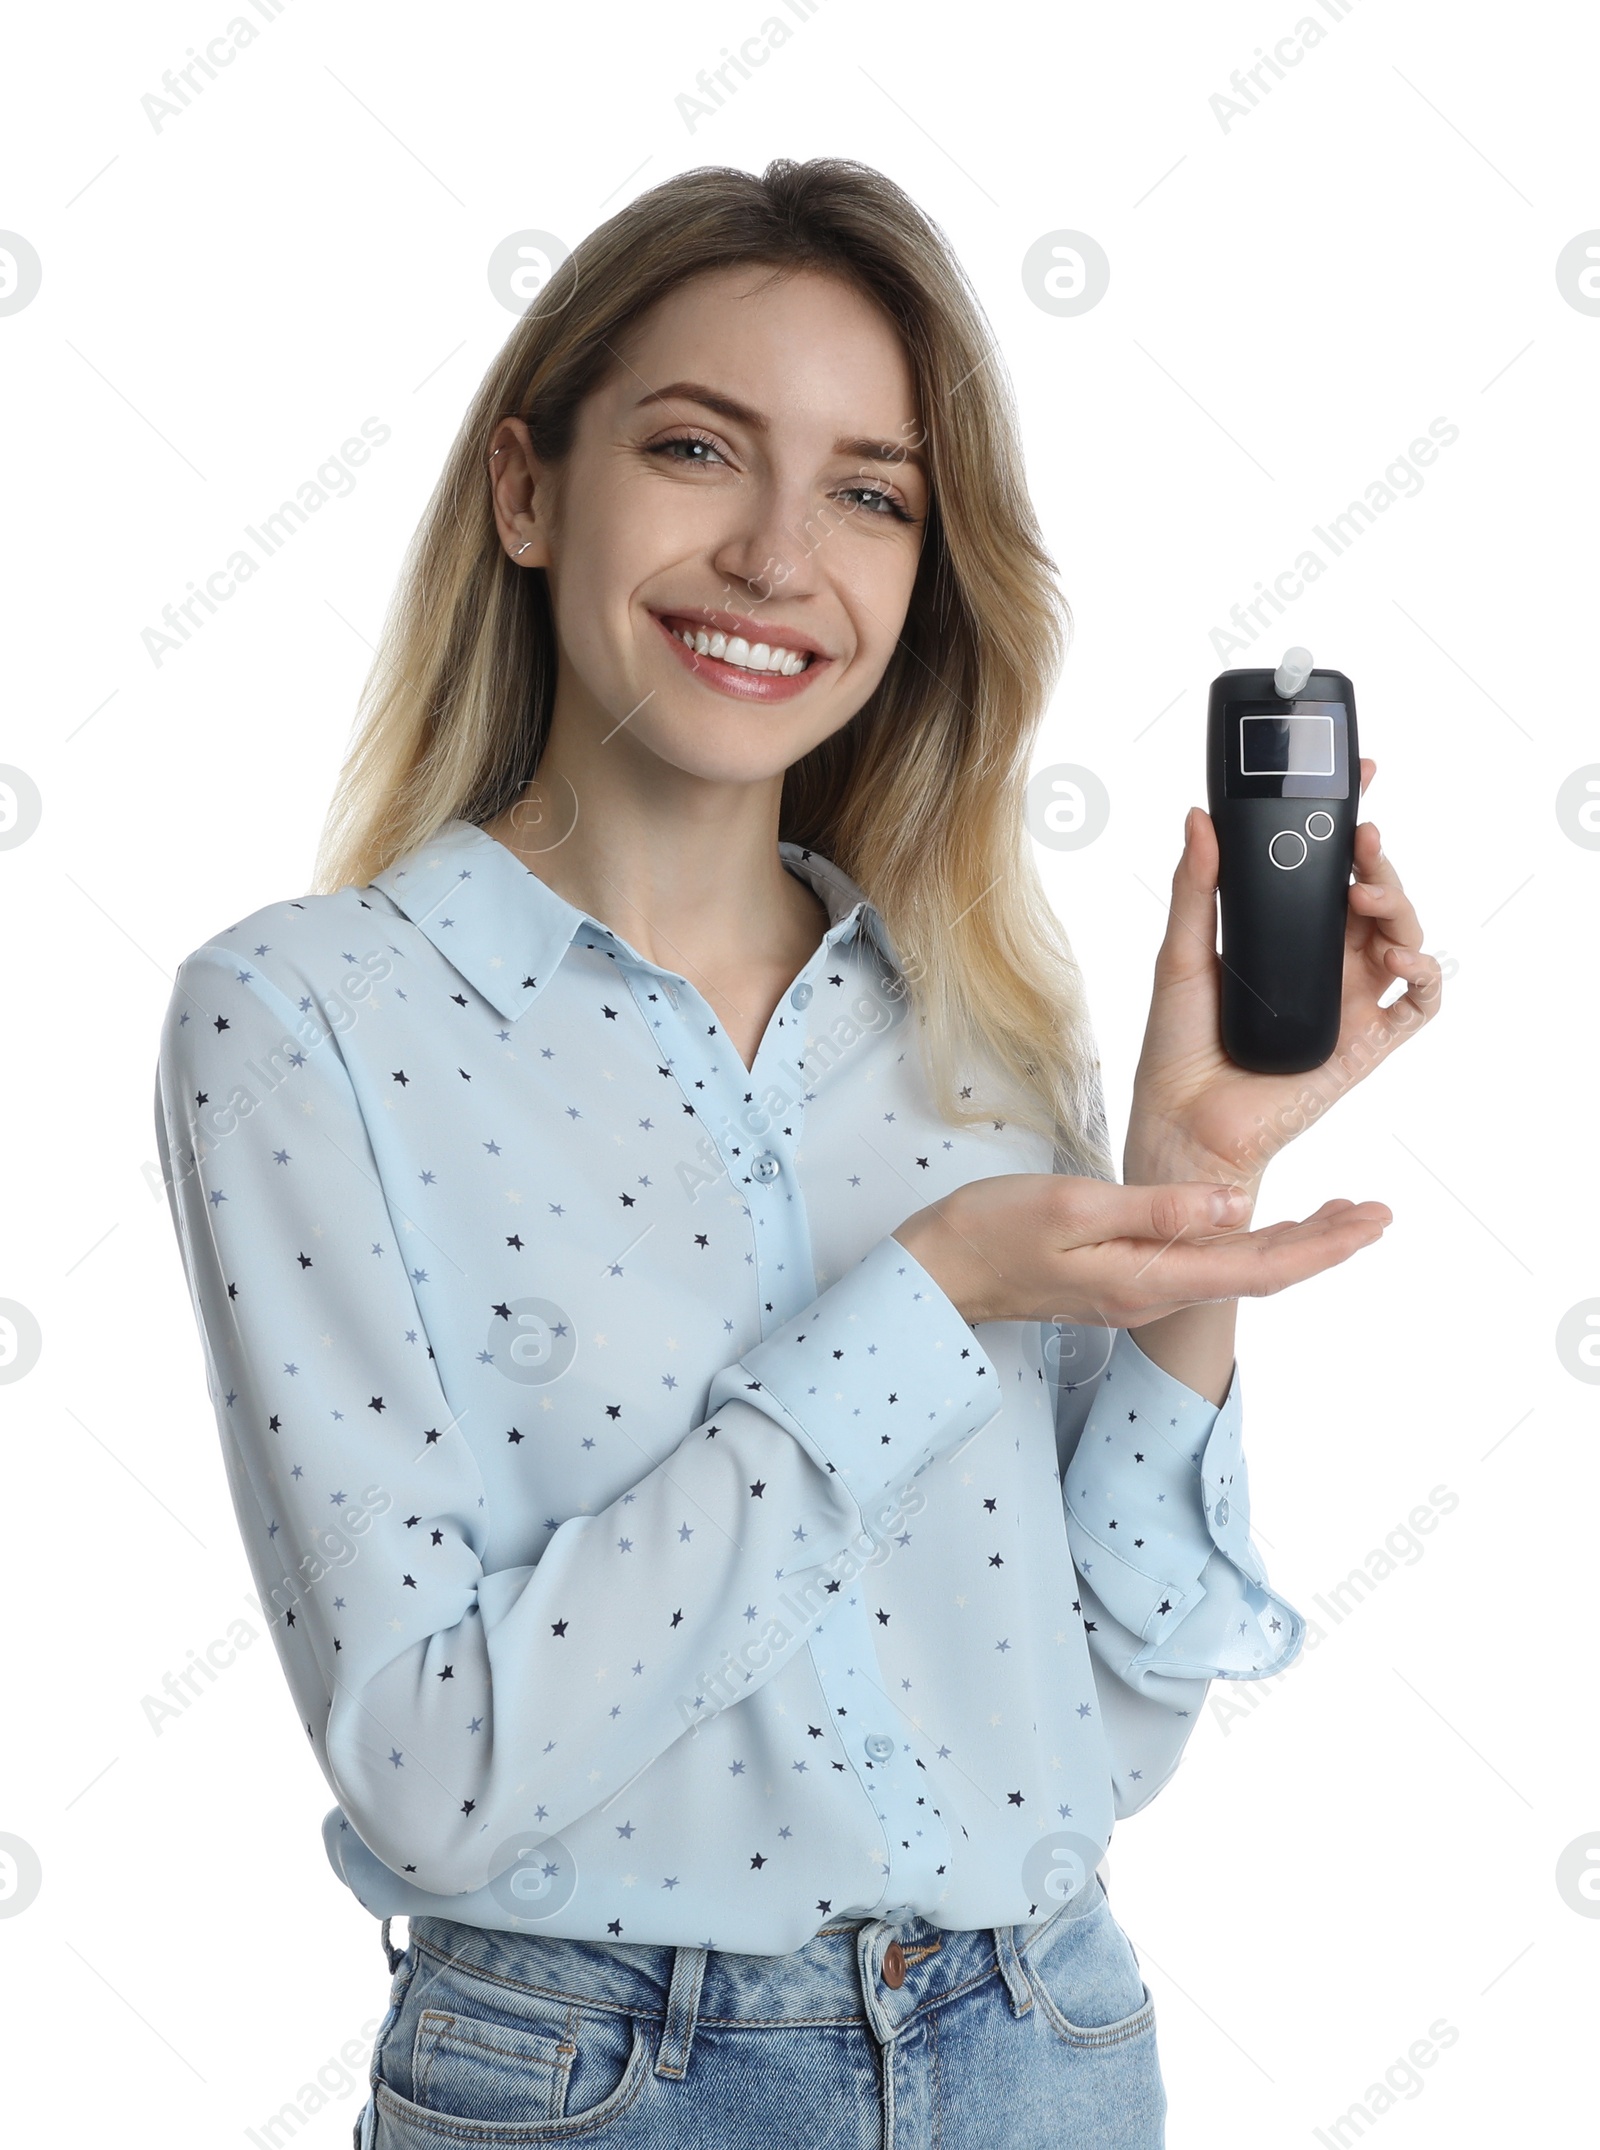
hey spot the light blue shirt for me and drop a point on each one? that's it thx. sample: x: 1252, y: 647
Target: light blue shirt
x: 653, y: 1550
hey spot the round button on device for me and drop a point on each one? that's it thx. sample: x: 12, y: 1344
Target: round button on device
x: 1319, y: 826
x: 1287, y: 849
x: 879, y: 1745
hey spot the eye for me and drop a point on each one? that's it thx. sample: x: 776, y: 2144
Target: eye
x: 877, y: 501
x: 704, y: 450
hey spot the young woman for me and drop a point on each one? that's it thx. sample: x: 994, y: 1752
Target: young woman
x: 746, y: 1500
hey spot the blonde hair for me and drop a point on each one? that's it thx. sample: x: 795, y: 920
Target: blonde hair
x: 919, y: 797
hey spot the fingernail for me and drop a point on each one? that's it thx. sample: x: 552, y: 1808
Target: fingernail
x: 1228, y: 1202
x: 1188, y: 826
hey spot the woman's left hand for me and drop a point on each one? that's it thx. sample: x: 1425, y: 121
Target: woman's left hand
x: 1197, y: 1116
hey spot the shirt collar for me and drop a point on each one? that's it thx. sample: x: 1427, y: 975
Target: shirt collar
x: 505, y: 930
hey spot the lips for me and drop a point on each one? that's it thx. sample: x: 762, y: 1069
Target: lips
x: 734, y: 680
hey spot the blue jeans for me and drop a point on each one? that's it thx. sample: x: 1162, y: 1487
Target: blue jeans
x: 876, y: 2035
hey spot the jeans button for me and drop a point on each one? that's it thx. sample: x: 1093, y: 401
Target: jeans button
x: 894, y: 1965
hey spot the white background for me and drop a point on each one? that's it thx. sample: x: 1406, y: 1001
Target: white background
x: 1293, y: 298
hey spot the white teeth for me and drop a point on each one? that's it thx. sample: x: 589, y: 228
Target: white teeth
x: 735, y: 650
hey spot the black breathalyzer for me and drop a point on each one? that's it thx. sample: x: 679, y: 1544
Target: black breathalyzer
x: 1283, y: 778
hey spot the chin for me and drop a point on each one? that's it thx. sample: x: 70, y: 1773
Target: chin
x: 728, y: 753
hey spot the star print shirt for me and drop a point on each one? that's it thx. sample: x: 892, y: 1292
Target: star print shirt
x: 652, y: 1549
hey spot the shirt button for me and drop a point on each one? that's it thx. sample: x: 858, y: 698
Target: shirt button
x: 801, y: 995
x: 879, y: 1745
x: 765, y: 1166
x: 894, y: 1965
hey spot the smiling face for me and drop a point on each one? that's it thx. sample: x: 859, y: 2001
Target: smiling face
x: 732, y: 540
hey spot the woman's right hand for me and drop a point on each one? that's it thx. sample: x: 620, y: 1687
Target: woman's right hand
x: 1043, y: 1246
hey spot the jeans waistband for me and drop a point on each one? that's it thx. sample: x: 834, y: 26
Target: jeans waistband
x: 836, y: 1977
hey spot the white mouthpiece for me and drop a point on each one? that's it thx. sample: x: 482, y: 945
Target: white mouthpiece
x: 1292, y: 674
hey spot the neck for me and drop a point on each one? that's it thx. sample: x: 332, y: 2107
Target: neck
x: 685, y: 869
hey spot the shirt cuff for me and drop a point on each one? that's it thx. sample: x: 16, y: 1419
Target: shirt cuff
x: 876, y: 1378
x: 1155, y: 1489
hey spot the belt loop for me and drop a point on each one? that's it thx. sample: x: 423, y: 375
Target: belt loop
x: 683, y: 2009
x: 1011, y: 1970
x: 396, y: 1956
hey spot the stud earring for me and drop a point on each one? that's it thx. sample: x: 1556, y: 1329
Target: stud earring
x: 522, y: 548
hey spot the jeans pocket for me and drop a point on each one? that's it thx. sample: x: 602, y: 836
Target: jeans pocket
x: 1086, y: 1979
x: 460, y: 2064
x: 511, y: 2068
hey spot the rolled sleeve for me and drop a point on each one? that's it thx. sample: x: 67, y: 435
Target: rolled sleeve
x: 876, y: 1378
x: 1158, y: 1521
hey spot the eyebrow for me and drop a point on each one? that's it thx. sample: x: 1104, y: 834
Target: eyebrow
x: 870, y: 450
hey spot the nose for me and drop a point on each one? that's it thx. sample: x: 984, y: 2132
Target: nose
x: 773, y: 546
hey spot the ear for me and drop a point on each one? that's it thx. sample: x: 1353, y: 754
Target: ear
x: 516, y: 479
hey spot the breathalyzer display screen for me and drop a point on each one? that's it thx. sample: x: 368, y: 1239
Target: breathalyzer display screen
x: 1299, y: 752
x: 1286, y: 746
